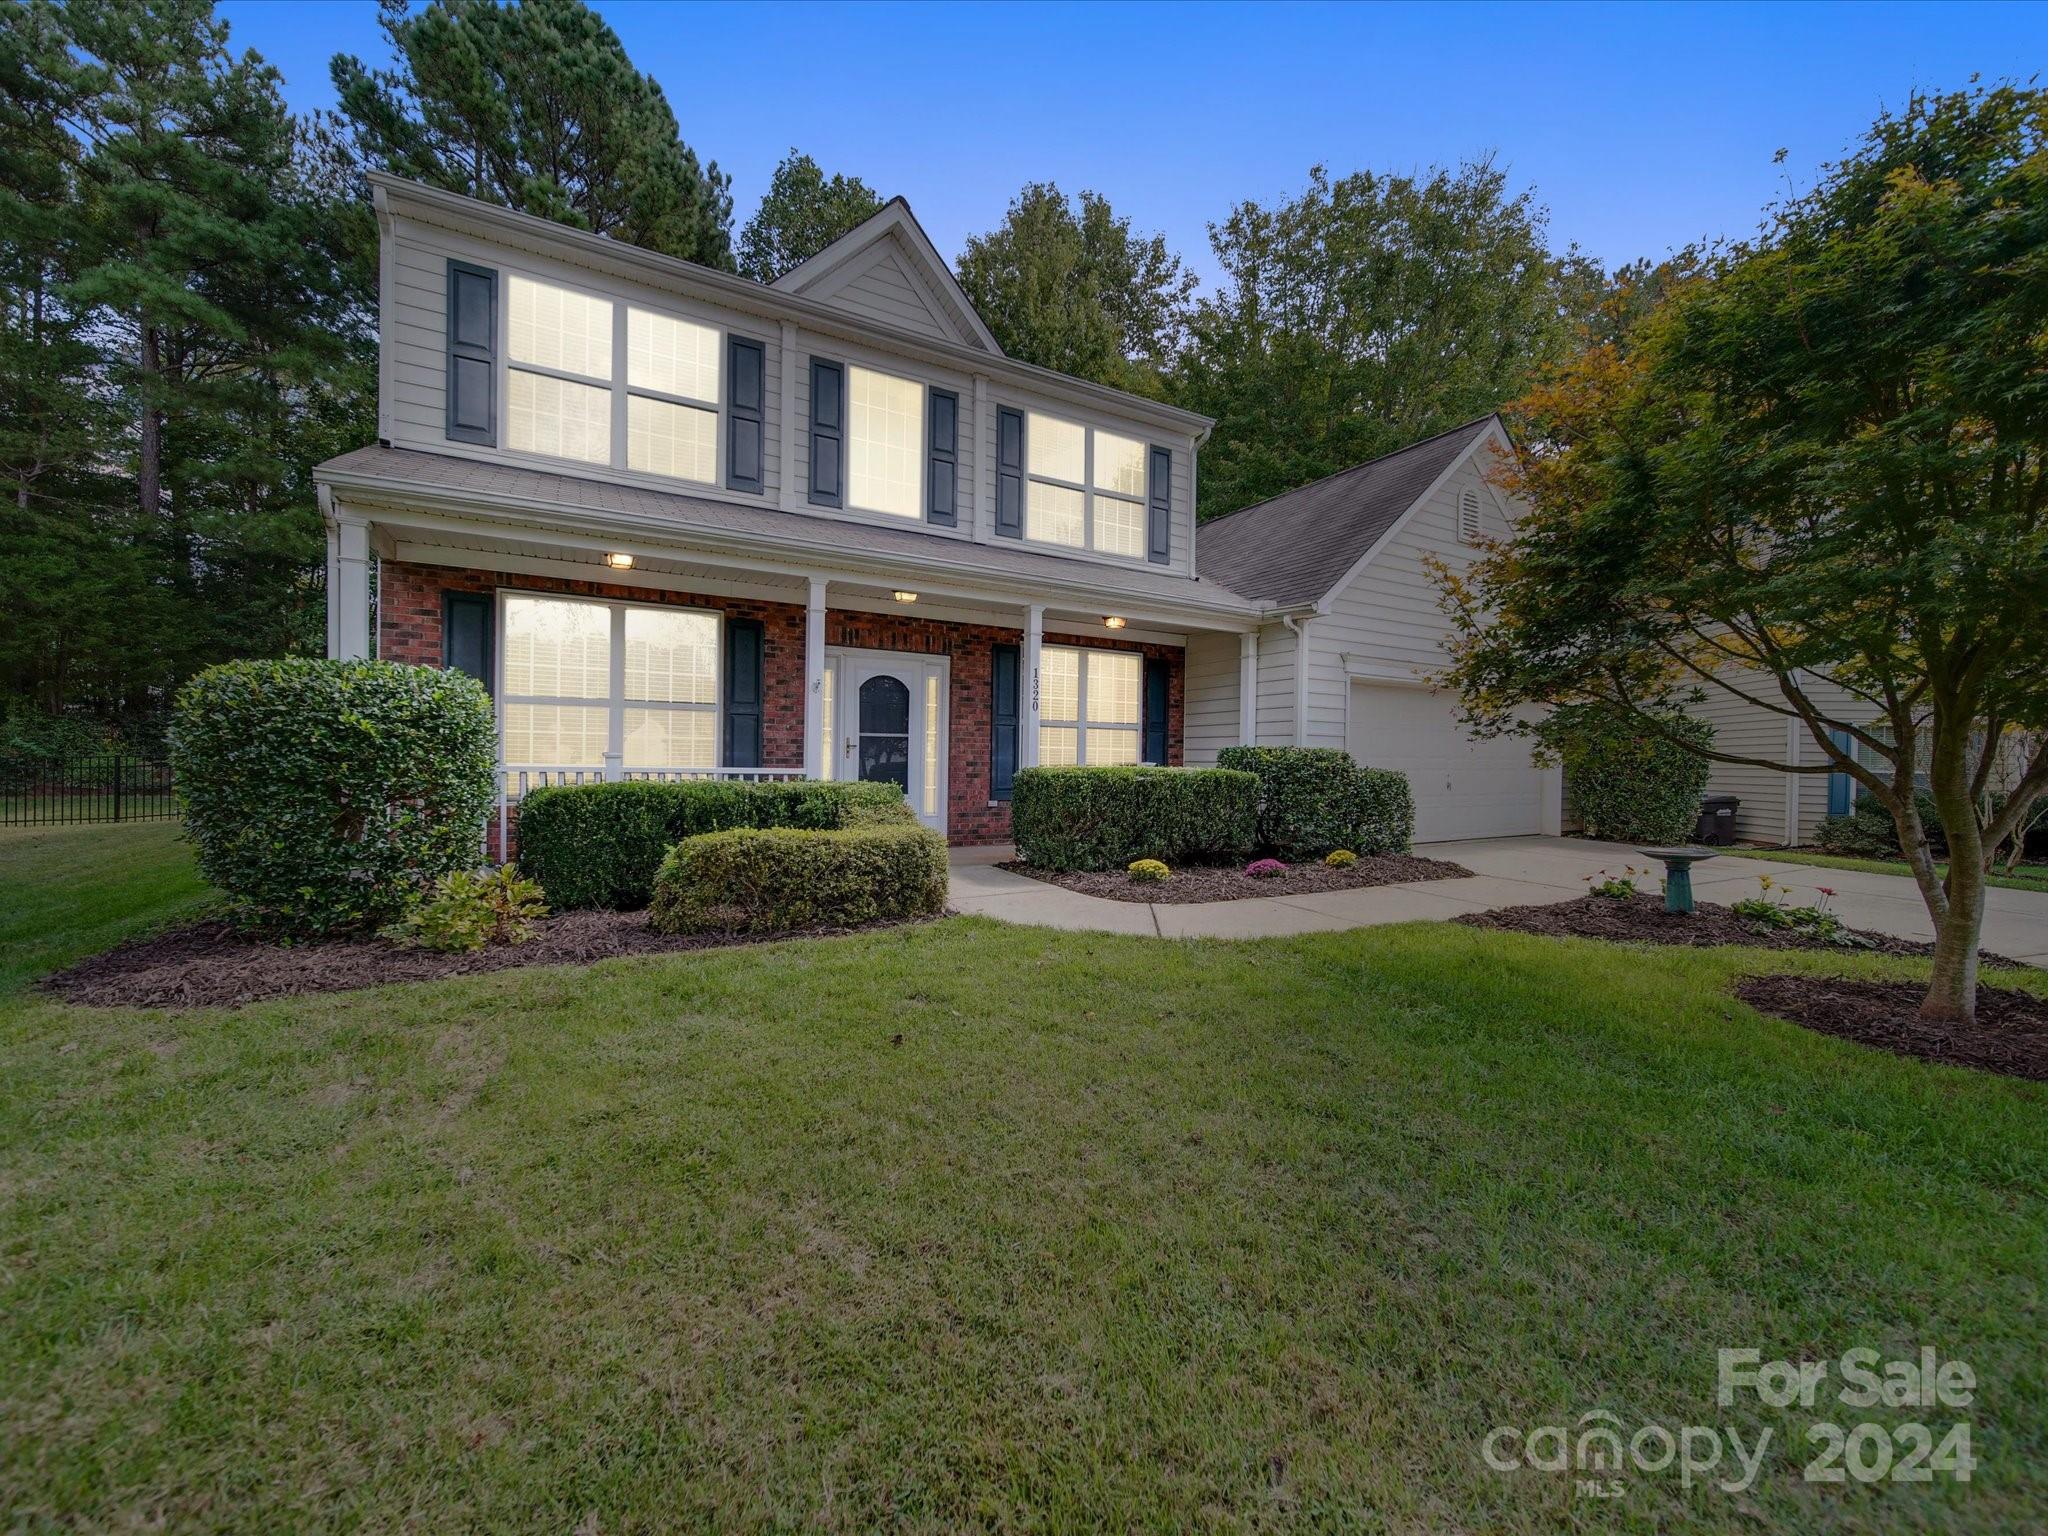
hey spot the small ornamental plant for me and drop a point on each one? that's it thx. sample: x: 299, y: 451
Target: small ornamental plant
x: 1340, y: 858
x: 1149, y: 872
x: 1621, y: 887
x: 1265, y: 869
x: 464, y: 911
x: 1814, y: 922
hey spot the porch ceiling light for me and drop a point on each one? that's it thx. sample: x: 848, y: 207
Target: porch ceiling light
x: 904, y: 597
x: 619, y: 561
x: 1114, y: 621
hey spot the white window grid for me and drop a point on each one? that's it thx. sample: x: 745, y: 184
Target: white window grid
x: 1095, y: 739
x: 1112, y: 521
x: 615, y: 702
x: 886, y: 457
x: 619, y: 388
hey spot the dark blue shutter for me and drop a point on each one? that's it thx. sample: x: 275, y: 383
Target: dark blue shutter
x: 1002, y: 736
x: 1159, y: 508
x: 743, y: 693
x: 472, y: 353
x: 943, y: 472
x: 1158, y: 680
x: 1010, y: 474
x: 1841, y: 786
x: 745, y: 366
x: 466, y: 623
x: 828, y: 434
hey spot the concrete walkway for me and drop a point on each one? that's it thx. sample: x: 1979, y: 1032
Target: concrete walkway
x: 1506, y: 872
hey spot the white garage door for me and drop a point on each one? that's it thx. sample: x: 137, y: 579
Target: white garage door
x: 1462, y: 787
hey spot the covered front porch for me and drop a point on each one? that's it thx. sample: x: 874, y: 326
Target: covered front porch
x: 636, y: 658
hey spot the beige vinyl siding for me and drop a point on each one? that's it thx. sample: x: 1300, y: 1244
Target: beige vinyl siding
x: 1750, y: 729
x: 415, y: 341
x: 1183, y: 553
x: 1388, y: 623
x: 1276, y: 686
x: 1211, y: 719
x: 886, y: 291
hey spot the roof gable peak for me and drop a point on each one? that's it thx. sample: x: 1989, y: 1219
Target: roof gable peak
x: 893, y: 229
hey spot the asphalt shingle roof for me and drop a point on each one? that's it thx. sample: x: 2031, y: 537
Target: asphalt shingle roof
x: 1292, y: 550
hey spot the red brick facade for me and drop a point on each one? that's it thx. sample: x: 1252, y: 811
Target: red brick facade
x: 409, y: 629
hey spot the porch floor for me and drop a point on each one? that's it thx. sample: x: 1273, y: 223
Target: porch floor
x: 1508, y: 872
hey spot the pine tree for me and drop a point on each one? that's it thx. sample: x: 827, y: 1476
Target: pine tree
x: 803, y: 212
x: 1074, y: 289
x: 535, y: 105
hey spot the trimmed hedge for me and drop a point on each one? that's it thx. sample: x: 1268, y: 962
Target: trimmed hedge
x: 324, y: 795
x: 1630, y: 785
x: 1106, y: 817
x: 1316, y: 799
x: 600, y: 845
x: 783, y: 879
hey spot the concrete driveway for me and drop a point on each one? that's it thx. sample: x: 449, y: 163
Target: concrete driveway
x: 1506, y: 872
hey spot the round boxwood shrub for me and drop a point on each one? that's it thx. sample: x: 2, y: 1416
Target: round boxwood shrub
x: 323, y: 795
x: 1628, y: 783
x: 787, y: 878
x: 1314, y: 799
x: 600, y: 845
x: 1096, y: 818
x: 1149, y: 872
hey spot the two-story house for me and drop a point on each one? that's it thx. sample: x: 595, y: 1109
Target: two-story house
x: 681, y: 523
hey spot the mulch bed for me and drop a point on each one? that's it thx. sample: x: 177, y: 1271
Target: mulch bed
x: 2010, y: 1035
x: 214, y: 965
x: 1643, y: 920
x: 1231, y: 883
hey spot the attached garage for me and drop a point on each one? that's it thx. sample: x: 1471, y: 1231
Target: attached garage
x: 1463, y: 788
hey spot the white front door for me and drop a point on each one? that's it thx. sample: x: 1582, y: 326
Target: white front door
x: 891, y: 725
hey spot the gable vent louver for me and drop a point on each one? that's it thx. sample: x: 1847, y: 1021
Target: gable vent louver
x: 1468, y: 516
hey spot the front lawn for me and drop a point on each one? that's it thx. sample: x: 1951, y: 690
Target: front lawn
x: 970, y: 1226
x: 2028, y: 877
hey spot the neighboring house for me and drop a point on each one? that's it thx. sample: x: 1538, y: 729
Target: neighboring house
x: 681, y: 523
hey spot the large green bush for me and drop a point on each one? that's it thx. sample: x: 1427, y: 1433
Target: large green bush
x: 599, y: 845
x: 1628, y: 784
x: 1103, y: 818
x: 324, y: 795
x: 784, y: 879
x: 1315, y: 799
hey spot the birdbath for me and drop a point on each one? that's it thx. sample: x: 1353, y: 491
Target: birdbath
x: 1678, y: 863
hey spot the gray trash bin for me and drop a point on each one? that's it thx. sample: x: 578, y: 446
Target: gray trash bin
x: 1716, y: 828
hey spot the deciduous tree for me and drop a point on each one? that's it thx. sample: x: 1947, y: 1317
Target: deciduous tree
x: 804, y: 211
x: 1067, y: 284
x: 1825, y: 456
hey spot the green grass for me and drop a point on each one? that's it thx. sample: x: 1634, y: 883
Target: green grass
x: 2028, y: 877
x: 966, y: 1226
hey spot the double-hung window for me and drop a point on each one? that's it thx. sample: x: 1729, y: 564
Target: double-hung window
x: 885, y: 443
x: 572, y: 392
x: 1089, y: 705
x: 585, y: 680
x: 1085, y: 487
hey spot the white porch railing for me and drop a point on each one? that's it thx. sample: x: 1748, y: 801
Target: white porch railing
x: 516, y: 779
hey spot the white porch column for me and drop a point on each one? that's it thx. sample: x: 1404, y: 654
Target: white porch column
x: 816, y: 726
x: 1027, y: 714
x: 348, y: 589
x: 1248, y: 688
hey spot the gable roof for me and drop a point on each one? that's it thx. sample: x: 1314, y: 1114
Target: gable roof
x: 854, y: 254
x: 1297, y: 548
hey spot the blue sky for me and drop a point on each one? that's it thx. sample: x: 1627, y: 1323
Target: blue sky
x: 1640, y: 127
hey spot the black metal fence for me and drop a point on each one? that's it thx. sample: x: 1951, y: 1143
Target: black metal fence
x: 54, y: 791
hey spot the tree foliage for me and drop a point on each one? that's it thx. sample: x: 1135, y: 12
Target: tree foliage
x: 1823, y: 456
x: 1067, y: 285
x: 187, y: 333
x: 534, y: 104
x: 803, y: 212
x: 1367, y: 313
